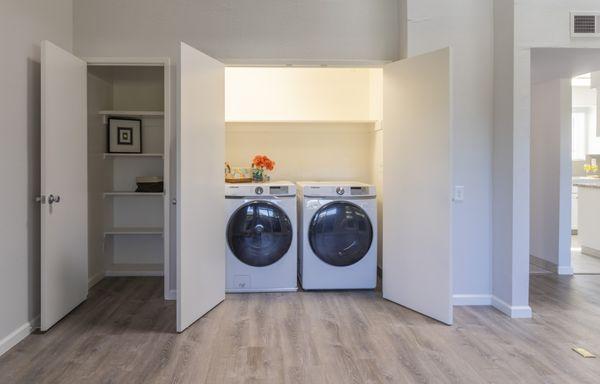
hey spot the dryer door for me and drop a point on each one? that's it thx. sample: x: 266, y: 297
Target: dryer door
x: 259, y: 233
x: 340, y: 233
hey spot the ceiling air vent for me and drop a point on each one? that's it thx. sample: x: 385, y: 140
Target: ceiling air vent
x: 585, y: 24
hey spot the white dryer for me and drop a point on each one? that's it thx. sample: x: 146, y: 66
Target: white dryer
x: 337, y: 235
x: 261, y: 252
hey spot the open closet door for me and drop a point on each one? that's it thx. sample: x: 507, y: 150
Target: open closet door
x: 417, y: 177
x: 200, y: 196
x: 64, y: 225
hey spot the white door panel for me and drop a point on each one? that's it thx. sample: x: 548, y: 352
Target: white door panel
x: 64, y: 248
x: 200, y: 202
x: 417, y: 178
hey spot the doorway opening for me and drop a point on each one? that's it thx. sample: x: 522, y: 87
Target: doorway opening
x: 585, y: 155
x: 565, y: 154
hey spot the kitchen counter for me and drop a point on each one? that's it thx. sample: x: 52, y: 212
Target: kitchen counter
x: 588, y: 214
x: 591, y: 182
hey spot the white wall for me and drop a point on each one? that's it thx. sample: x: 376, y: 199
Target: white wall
x: 434, y: 24
x: 330, y: 94
x: 243, y: 29
x: 302, y: 151
x: 551, y: 173
x: 23, y: 24
x: 246, y: 31
x: 338, y: 150
x: 502, y: 276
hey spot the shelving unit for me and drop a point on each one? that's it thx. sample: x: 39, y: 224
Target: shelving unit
x: 130, y: 235
x: 115, y: 113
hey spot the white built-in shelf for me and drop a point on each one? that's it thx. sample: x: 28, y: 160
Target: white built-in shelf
x: 300, y: 121
x: 133, y: 231
x: 132, y: 193
x: 132, y: 155
x: 106, y: 114
x: 132, y: 113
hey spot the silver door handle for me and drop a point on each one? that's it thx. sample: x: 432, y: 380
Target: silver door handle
x: 53, y: 199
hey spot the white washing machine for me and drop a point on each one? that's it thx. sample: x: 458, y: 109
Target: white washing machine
x: 261, y: 237
x: 338, y: 235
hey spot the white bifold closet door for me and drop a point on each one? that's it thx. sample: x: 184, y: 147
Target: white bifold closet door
x: 64, y: 224
x: 417, y: 220
x: 200, y: 196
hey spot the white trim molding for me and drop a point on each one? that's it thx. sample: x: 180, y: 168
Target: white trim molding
x: 172, y: 295
x: 565, y: 270
x: 466, y: 299
x: 550, y: 266
x: 128, y: 61
x: 514, y: 311
x: 93, y: 280
x: 18, y: 335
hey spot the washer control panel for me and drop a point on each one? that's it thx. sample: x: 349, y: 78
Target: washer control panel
x: 340, y: 191
x: 259, y: 190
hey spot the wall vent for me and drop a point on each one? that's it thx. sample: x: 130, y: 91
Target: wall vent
x: 585, y: 24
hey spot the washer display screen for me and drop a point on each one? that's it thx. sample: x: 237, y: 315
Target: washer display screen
x: 259, y: 233
x: 340, y: 233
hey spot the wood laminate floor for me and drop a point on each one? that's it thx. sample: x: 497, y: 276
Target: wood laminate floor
x: 124, y: 333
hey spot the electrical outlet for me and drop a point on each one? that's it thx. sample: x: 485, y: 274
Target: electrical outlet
x: 459, y: 193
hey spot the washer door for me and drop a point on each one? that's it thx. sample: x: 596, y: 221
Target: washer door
x: 259, y: 233
x: 340, y: 233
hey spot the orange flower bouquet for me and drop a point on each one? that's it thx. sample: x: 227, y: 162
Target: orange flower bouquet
x: 260, y: 163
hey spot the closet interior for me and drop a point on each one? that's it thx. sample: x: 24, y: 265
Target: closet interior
x: 128, y: 228
x: 316, y: 123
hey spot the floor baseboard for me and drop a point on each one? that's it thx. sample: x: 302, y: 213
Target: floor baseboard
x: 18, y: 334
x: 95, y: 279
x: 466, y: 299
x: 514, y: 311
x: 172, y: 295
x: 565, y: 270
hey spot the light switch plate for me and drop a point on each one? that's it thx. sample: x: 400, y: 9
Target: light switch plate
x: 459, y: 193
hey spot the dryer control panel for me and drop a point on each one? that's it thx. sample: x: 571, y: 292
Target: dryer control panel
x: 279, y: 190
x: 333, y: 189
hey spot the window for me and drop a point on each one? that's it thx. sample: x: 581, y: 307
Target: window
x: 578, y: 131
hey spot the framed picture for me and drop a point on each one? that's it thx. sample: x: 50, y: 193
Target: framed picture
x: 124, y: 135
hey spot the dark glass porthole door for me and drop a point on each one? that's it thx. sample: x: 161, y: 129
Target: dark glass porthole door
x: 259, y: 233
x: 340, y: 233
